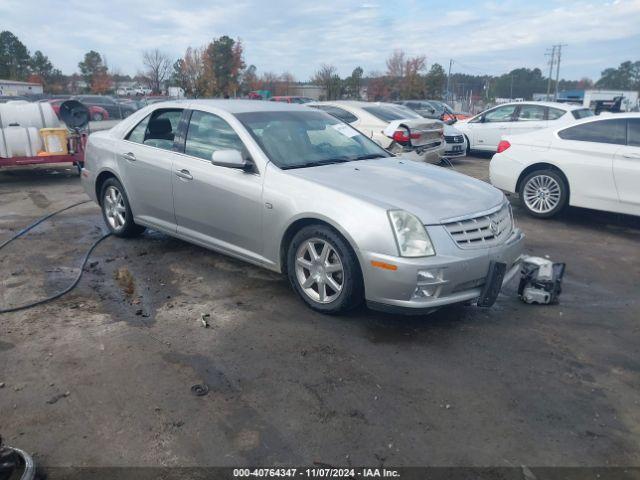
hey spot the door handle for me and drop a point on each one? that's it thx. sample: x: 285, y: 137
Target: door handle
x: 184, y: 173
x: 631, y: 155
x: 129, y: 156
x: 502, y: 128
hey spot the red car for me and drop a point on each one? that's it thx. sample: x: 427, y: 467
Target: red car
x: 97, y: 113
x: 291, y: 99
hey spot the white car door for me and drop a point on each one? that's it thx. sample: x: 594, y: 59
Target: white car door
x: 485, y: 134
x: 626, y: 169
x: 585, y: 153
x: 529, y: 118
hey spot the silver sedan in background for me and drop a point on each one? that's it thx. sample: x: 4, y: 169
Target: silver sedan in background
x: 297, y: 191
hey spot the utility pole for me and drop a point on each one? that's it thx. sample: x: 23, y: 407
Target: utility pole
x: 558, y: 69
x: 449, y: 78
x: 551, y: 62
x: 511, y: 91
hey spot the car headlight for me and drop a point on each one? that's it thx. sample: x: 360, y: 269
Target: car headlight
x: 411, y: 236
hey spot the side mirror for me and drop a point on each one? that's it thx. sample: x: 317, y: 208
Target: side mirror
x: 230, y: 159
x: 451, y: 121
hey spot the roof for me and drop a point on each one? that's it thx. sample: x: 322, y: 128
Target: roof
x: 563, y: 106
x: 242, y: 106
x: 16, y: 82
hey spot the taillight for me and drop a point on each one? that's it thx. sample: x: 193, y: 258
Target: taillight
x: 503, y: 145
x: 402, y: 136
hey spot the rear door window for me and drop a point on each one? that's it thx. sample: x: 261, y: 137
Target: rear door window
x: 601, y: 131
x: 555, y: 113
x: 530, y: 113
x: 157, y: 129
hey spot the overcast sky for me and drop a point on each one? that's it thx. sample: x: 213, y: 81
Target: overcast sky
x: 299, y: 35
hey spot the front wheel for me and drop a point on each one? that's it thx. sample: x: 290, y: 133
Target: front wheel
x: 324, y: 271
x: 116, y: 210
x: 544, y: 193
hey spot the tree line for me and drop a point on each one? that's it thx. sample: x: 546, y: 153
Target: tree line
x: 218, y: 69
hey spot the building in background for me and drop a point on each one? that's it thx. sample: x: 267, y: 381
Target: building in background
x: 13, y: 88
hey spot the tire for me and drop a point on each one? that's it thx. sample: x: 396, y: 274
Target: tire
x: 116, y: 210
x: 544, y: 193
x: 468, y: 146
x: 345, y: 272
x: 97, y: 117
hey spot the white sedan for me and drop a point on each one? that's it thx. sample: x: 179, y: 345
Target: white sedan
x: 394, y: 127
x: 593, y: 163
x: 485, y: 130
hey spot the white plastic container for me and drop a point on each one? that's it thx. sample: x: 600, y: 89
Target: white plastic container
x: 25, y: 114
x: 20, y: 142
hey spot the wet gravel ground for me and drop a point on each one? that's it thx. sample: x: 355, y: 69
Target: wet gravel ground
x: 103, y: 376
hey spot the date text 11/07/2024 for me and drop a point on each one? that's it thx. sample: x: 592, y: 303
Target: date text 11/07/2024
x: 316, y: 472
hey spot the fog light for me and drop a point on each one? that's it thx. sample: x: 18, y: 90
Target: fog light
x: 429, y: 283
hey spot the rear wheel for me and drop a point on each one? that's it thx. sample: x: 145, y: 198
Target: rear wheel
x: 116, y: 210
x: 544, y: 193
x: 324, y: 271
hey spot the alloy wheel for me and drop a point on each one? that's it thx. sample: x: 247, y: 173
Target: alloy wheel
x: 114, y: 208
x: 319, y: 270
x: 542, y: 194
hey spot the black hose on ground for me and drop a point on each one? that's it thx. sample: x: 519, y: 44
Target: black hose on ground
x: 78, y: 277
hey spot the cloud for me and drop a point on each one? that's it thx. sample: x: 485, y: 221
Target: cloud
x: 294, y: 36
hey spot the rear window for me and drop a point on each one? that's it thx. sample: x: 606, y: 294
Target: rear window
x: 339, y: 113
x: 386, y: 114
x: 601, y: 131
x: 581, y: 113
x: 633, y: 132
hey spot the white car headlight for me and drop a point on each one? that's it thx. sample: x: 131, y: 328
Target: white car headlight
x: 411, y: 236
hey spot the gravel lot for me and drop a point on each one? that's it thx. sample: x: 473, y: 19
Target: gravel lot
x: 103, y: 376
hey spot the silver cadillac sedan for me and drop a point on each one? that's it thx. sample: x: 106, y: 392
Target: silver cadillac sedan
x: 297, y: 191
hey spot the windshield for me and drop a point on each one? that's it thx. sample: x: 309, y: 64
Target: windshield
x: 389, y: 113
x: 307, y: 139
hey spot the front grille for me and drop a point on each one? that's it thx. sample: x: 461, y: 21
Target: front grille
x: 454, y: 138
x: 482, y: 231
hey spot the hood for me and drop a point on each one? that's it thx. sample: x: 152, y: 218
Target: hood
x: 432, y: 193
x: 451, y: 131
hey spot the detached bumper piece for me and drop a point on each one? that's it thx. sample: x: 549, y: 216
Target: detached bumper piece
x: 493, y: 284
x: 540, y: 281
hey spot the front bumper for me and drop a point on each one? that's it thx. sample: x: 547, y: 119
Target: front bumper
x: 453, y: 276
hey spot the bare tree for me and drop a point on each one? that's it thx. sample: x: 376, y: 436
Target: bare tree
x: 325, y: 77
x: 157, y: 68
x: 286, y: 82
x: 396, y: 64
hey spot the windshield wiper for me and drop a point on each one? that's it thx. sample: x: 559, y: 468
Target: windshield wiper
x: 317, y: 163
x: 369, y: 157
